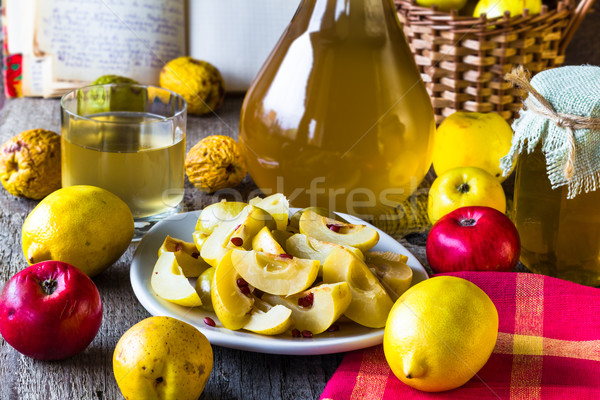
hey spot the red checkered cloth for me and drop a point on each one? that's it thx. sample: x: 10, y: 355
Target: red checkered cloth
x: 548, y: 347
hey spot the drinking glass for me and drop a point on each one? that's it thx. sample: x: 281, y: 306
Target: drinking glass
x: 130, y: 140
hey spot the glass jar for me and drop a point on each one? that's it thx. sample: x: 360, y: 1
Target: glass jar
x: 560, y: 237
x: 338, y: 116
x: 557, y: 178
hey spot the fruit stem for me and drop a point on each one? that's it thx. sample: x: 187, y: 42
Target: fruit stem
x: 49, y: 286
x: 463, y: 188
x: 467, y: 222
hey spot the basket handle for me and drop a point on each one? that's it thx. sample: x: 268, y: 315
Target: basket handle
x: 580, y: 12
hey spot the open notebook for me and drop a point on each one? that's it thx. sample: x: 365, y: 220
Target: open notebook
x: 53, y: 46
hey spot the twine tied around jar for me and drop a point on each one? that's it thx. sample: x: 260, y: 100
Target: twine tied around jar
x: 561, y: 118
x: 568, y: 122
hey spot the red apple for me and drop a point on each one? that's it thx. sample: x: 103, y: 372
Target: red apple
x: 50, y: 311
x: 473, y: 238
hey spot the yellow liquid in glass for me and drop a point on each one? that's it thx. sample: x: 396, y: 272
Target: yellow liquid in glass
x: 127, y: 154
x: 339, y: 117
x: 559, y: 237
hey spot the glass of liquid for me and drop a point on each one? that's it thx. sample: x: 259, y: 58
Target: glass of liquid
x: 130, y: 140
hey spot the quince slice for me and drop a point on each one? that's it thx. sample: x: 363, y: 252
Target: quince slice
x: 302, y: 246
x: 392, y: 271
x: 333, y: 231
x: 295, y: 219
x: 235, y: 233
x: 216, y: 214
x: 231, y: 305
x: 264, y: 241
x: 269, y: 320
x: 203, y: 287
x: 275, y: 274
x: 187, y: 255
x: 277, y: 205
x: 169, y: 282
x: 199, y: 239
x: 370, y: 304
x: 328, y: 303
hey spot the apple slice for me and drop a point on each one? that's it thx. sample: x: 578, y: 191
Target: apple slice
x: 303, y: 246
x: 235, y: 233
x: 277, y: 205
x: 187, y: 255
x: 370, y: 304
x: 275, y: 274
x: 169, y: 282
x: 217, y: 213
x: 317, y: 308
x: 264, y: 241
x: 392, y: 271
x: 333, y: 231
x: 231, y: 305
x: 269, y: 320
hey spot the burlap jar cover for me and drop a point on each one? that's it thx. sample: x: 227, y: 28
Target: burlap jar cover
x: 562, y: 113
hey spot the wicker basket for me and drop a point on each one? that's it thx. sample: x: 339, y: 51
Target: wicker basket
x: 463, y: 59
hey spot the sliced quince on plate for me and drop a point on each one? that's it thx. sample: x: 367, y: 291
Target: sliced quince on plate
x: 295, y: 218
x: 203, y: 285
x: 330, y: 230
x: 235, y: 233
x: 265, y: 242
x: 302, y: 246
x: 277, y: 205
x: 370, y: 304
x: 169, y: 282
x: 199, y: 239
x: 276, y: 274
x: 317, y: 308
x: 231, y: 305
x: 269, y: 320
x: 215, y: 214
x: 391, y: 269
x: 187, y: 255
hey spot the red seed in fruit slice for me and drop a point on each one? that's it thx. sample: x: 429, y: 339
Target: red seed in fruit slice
x: 333, y: 227
x: 245, y: 290
x: 306, y: 301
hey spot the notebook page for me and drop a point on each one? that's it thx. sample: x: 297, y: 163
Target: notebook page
x: 87, y: 39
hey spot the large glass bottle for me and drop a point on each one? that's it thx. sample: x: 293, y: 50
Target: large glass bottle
x: 338, y: 116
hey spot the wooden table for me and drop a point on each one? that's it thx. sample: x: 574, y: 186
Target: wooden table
x: 236, y: 374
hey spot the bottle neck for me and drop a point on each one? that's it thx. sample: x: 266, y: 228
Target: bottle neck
x: 342, y: 19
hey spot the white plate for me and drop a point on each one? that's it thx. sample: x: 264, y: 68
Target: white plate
x: 350, y: 336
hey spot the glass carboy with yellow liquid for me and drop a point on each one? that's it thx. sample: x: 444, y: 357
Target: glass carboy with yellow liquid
x: 557, y: 193
x: 338, y: 116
